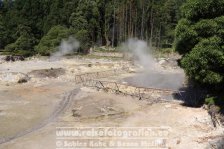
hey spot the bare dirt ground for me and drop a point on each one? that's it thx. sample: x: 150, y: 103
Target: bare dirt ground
x: 30, y: 112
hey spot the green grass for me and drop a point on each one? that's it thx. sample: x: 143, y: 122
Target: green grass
x: 164, y: 52
x: 106, y: 49
x: 101, y: 57
x: 214, y: 100
x: 217, y: 101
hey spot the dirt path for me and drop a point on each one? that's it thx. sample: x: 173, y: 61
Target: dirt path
x: 57, y: 111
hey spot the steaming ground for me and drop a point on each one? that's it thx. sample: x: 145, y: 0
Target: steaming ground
x: 161, y: 80
x: 30, y: 112
x: 151, y: 74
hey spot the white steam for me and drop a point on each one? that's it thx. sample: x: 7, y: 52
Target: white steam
x: 141, y: 53
x: 66, y: 47
x: 152, y: 75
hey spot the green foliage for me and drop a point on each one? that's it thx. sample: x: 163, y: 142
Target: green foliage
x: 205, y: 63
x: 186, y: 36
x: 3, y: 34
x: 94, y: 22
x: 52, y: 40
x: 83, y: 37
x: 210, y: 100
x: 24, y: 43
x: 78, y: 22
x: 167, y: 50
x: 217, y: 101
x: 85, y: 19
x: 199, y: 36
x: 202, y: 9
x: 206, y: 28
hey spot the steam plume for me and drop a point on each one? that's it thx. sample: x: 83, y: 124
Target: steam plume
x: 66, y: 47
x: 140, y: 52
x: 153, y: 75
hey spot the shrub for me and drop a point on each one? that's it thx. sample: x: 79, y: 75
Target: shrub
x: 210, y: 101
x: 49, y: 43
x: 205, y: 63
x: 186, y: 36
x: 83, y: 38
x: 22, y: 46
x: 199, y: 37
x: 202, y: 9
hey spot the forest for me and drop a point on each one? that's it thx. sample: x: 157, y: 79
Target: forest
x: 194, y: 28
x: 29, y: 26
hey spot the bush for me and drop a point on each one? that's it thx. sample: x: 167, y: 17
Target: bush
x: 199, y: 37
x: 216, y: 101
x: 186, y: 36
x: 210, y: 101
x: 202, y: 9
x: 22, y: 46
x: 49, y: 43
x: 206, y: 28
x: 83, y: 38
x: 205, y: 63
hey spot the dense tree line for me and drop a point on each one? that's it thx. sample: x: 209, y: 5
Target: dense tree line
x: 30, y: 26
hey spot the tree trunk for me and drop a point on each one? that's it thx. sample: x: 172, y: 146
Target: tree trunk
x: 126, y: 20
x: 151, y: 24
x: 106, y: 35
x: 160, y: 27
x: 102, y: 25
x: 113, y: 29
x: 136, y: 21
x: 142, y: 23
x: 124, y: 26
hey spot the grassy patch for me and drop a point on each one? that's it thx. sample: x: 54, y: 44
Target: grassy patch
x: 165, y: 52
x: 106, y: 49
x: 101, y: 57
x: 217, y: 101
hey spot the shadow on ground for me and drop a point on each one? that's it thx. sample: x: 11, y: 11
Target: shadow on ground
x: 191, y: 96
x: 219, y: 144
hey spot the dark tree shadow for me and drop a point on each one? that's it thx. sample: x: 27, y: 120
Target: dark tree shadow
x: 218, y: 144
x: 192, y: 96
x: 219, y: 102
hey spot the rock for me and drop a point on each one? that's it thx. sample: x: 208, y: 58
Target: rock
x: 22, y: 80
x: 9, y: 58
x: 168, y: 106
x: 111, y: 109
x: 19, y: 58
x: 75, y: 111
x: 103, y: 110
x: 162, y: 62
x: 178, y: 141
x: 14, y: 58
x: 124, y: 82
x: 2, y: 59
x: 132, y: 70
x: 14, y: 77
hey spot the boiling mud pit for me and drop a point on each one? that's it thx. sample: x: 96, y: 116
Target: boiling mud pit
x: 30, y: 113
x: 172, y: 81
